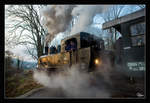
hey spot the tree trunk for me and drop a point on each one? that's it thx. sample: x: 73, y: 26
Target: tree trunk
x: 18, y: 64
x: 39, y: 47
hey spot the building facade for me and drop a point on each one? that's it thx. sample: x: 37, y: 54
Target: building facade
x: 132, y: 44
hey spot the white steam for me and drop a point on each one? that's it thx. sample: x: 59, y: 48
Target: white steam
x: 85, y: 15
x: 57, y: 18
x: 76, y: 83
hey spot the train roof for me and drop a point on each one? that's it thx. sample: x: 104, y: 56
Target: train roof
x: 84, y: 34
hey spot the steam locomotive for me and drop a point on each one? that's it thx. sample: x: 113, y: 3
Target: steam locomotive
x: 89, y: 54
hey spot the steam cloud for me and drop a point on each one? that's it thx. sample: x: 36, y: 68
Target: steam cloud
x: 85, y: 15
x: 58, y: 17
x: 78, y: 84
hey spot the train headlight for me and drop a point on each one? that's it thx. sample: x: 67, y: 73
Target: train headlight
x: 44, y: 59
x: 98, y: 61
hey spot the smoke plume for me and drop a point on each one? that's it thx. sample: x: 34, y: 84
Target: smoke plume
x: 58, y: 17
x: 85, y: 15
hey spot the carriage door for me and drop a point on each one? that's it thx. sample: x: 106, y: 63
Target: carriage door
x: 73, y: 57
x: 73, y: 53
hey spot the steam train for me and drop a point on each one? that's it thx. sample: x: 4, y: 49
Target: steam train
x: 89, y: 54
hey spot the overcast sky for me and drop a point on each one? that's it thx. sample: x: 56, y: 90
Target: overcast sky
x: 97, y: 24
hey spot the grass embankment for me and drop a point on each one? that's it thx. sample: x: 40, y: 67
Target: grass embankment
x: 20, y: 83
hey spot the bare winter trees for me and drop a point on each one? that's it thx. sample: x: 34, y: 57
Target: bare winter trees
x: 26, y: 28
x: 114, y: 12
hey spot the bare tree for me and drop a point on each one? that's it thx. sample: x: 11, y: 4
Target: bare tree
x: 26, y: 28
x: 113, y: 13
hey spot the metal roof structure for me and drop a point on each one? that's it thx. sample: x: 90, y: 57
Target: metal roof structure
x: 123, y: 19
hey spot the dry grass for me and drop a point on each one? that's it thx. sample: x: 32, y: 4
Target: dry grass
x: 20, y: 83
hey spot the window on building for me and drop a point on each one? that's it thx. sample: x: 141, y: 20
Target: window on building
x: 137, y: 29
x: 138, y: 40
x: 137, y: 34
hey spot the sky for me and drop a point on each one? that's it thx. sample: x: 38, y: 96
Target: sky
x: 95, y: 28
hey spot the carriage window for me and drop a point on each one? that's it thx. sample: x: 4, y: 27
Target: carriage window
x: 84, y: 42
x: 137, y: 34
x: 138, y: 40
x: 71, y: 43
x: 137, y: 29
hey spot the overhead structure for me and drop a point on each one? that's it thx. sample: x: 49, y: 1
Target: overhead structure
x: 132, y: 51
